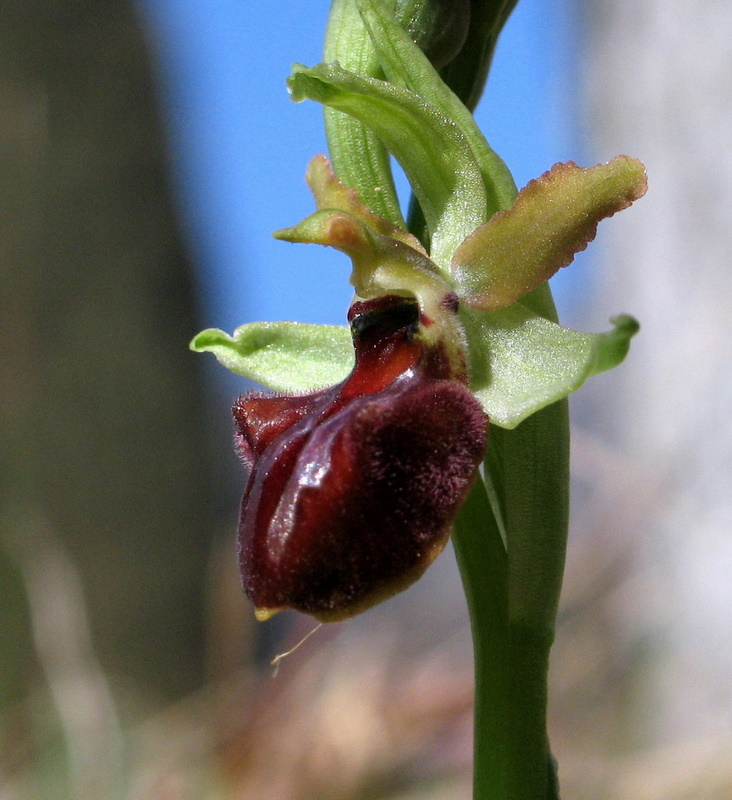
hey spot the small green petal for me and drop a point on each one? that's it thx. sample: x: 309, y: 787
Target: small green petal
x: 553, y: 218
x: 284, y: 356
x: 331, y: 193
x: 521, y: 362
x: 380, y: 263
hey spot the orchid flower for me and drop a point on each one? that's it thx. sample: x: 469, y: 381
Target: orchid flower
x: 369, y: 452
x: 353, y: 488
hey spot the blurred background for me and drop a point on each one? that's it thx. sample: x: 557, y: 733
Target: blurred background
x: 147, y: 151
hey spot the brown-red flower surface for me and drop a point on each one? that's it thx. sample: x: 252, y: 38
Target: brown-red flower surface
x: 353, y: 489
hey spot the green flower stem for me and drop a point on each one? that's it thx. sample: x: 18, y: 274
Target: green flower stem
x: 512, y: 597
x: 510, y: 534
x: 483, y: 562
x: 512, y: 592
x: 533, y: 461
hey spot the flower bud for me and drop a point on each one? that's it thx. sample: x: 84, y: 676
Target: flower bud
x: 439, y: 27
x: 353, y: 489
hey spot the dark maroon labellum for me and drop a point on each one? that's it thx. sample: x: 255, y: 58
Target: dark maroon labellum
x: 353, y: 489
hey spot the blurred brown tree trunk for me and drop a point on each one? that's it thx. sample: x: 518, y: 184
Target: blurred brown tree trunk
x: 100, y: 401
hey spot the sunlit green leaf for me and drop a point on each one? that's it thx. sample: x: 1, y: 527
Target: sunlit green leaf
x: 521, y: 362
x: 284, y: 356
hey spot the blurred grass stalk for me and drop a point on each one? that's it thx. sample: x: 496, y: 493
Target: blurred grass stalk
x: 77, y: 686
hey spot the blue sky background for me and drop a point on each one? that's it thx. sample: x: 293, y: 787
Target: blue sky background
x: 240, y: 147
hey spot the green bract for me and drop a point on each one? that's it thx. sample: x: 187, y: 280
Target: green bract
x: 433, y: 152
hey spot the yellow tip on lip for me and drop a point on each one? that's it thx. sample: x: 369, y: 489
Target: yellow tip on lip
x: 263, y: 614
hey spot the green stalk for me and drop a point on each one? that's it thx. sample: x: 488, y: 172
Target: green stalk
x: 483, y: 563
x: 527, y: 479
x: 510, y: 534
x: 533, y: 461
x: 512, y: 598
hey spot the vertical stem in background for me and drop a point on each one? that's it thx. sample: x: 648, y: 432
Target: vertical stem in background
x: 512, y: 596
x: 359, y: 158
x: 481, y: 556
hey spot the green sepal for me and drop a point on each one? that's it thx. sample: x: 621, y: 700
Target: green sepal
x: 283, y: 356
x: 521, y: 362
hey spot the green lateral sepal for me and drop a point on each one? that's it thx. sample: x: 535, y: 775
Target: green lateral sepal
x: 521, y: 362
x: 283, y: 356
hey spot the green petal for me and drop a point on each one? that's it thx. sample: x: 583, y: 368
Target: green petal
x: 521, y: 362
x: 381, y: 264
x: 284, y: 356
x: 431, y: 149
x: 332, y: 193
x: 553, y: 218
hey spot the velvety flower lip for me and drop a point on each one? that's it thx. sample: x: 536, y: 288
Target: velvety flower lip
x: 353, y: 489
